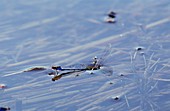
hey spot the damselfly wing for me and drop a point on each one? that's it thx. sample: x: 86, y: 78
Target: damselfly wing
x: 97, y: 63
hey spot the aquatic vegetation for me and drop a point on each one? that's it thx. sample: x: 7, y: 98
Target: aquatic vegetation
x: 147, y: 85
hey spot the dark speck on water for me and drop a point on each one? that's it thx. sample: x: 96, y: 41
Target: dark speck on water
x: 116, y: 98
x: 139, y: 48
x: 112, y: 14
x: 121, y: 74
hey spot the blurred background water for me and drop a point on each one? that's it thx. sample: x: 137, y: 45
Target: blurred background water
x: 47, y: 32
x: 36, y: 32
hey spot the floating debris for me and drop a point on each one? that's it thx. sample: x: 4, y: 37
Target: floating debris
x: 139, y: 48
x: 121, y: 74
x: 5, y: 108
x: 115, y: 98
x: 77, y: 75
x: 49, y: 71
x: 111, y: 83
x: 112, y: 14
x: 2, y: 86
x: 111, y: 17
x: 36, y: 68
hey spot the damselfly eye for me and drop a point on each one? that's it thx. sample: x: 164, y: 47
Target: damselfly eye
x: 54, y: 67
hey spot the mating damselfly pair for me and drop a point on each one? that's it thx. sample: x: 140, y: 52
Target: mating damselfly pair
x: 90, y: 67
x: 98, y: 63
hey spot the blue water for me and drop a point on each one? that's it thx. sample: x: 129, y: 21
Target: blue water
x: 44, y: 32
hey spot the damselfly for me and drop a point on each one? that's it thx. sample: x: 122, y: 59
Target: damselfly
x: 97, y: 64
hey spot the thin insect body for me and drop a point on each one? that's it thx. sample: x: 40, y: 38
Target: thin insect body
x: 95, y: 65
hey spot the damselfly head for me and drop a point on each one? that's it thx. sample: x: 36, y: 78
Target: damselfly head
x: 56, y: 67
